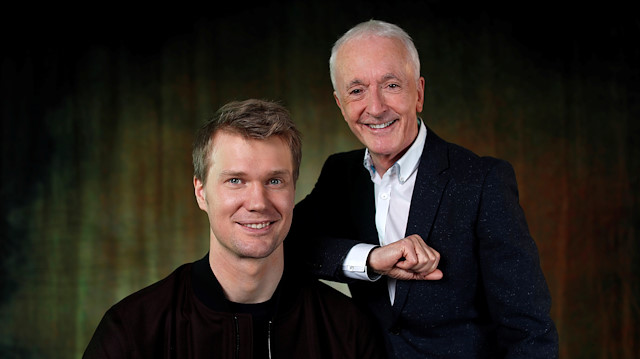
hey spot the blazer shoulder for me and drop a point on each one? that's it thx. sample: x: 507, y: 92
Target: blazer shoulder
x: 458, y: 160
x: 348, y: 163
x: 347, y: 157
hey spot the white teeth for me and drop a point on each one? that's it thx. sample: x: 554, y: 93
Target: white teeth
x: 382, y: 125
x: 256, y: 225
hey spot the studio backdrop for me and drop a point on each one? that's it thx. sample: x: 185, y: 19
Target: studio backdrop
x: 98, y: 115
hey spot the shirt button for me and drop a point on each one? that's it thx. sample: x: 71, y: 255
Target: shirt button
x: 384, y: 196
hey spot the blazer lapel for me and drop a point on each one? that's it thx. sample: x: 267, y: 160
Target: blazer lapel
x: 430, y: 184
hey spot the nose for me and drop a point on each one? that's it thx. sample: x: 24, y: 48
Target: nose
x: 376, y: 105
x: 256, y: 198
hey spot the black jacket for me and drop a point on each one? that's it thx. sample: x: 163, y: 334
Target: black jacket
x: 187, y: 316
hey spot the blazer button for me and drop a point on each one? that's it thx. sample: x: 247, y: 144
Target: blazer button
x: 395, y: 330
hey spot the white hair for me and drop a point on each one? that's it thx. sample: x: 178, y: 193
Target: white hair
x: 380, y: 29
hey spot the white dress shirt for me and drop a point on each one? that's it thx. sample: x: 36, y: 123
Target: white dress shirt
x: 392, y: 194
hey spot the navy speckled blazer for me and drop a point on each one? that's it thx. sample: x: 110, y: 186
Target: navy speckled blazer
x: 493, y: 301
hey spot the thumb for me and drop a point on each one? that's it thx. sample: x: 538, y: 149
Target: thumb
x: 435, y: 275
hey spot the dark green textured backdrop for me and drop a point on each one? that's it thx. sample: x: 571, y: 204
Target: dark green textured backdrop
x: 99, y: 106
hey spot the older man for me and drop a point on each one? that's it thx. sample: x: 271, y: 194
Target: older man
x: 240, y: 300
x: 373, y: 212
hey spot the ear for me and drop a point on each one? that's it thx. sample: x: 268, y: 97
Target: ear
x: 420, y: 102
x: 201, y: 197
x: 335, y: 96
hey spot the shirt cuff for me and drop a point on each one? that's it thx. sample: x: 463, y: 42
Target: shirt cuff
x: 355, y: 264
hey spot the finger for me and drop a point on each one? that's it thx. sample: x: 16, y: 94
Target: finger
x: 409, y: 257
x: 435, y: 275
x: 428, y: 259
x: 402, y: 274
x: 433, y: 259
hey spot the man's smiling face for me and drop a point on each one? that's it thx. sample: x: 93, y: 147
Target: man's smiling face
x: 249, y: 195
x: 379, y: 96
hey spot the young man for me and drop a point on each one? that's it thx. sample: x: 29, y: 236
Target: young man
x: 241, y: 300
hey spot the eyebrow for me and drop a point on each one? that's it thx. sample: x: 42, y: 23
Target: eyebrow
x: 386, y: 77
x: 389, y: 76
x: 355, y: 82
x: 280, y: 172
x: 230, y: 173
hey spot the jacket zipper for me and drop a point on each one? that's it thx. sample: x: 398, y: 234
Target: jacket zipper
x: 269, y: 338
x: 235, y: 321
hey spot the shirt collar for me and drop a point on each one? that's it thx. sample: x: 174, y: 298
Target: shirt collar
x: 408, y: 163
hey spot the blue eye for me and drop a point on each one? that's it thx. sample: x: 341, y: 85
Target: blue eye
x: 275, y: 181
x: 234, y: 181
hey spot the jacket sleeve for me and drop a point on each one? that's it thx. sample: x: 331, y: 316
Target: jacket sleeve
x: 109, y: 339
x: 516, y: 290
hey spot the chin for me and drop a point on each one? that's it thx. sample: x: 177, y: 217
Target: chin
x: 257, y: 251
x: 382, y: 149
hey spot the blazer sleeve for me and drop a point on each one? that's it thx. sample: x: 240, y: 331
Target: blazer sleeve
x: 322, y: 232
x: 516, y: 290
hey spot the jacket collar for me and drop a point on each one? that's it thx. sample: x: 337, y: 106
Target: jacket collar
x: 208, y: 290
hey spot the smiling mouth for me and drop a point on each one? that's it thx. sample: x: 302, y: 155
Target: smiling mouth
x: 380, y: 126
x: 256, y: 225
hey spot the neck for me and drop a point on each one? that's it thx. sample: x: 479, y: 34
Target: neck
x: 382, y: 163
x: 247, y: 280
